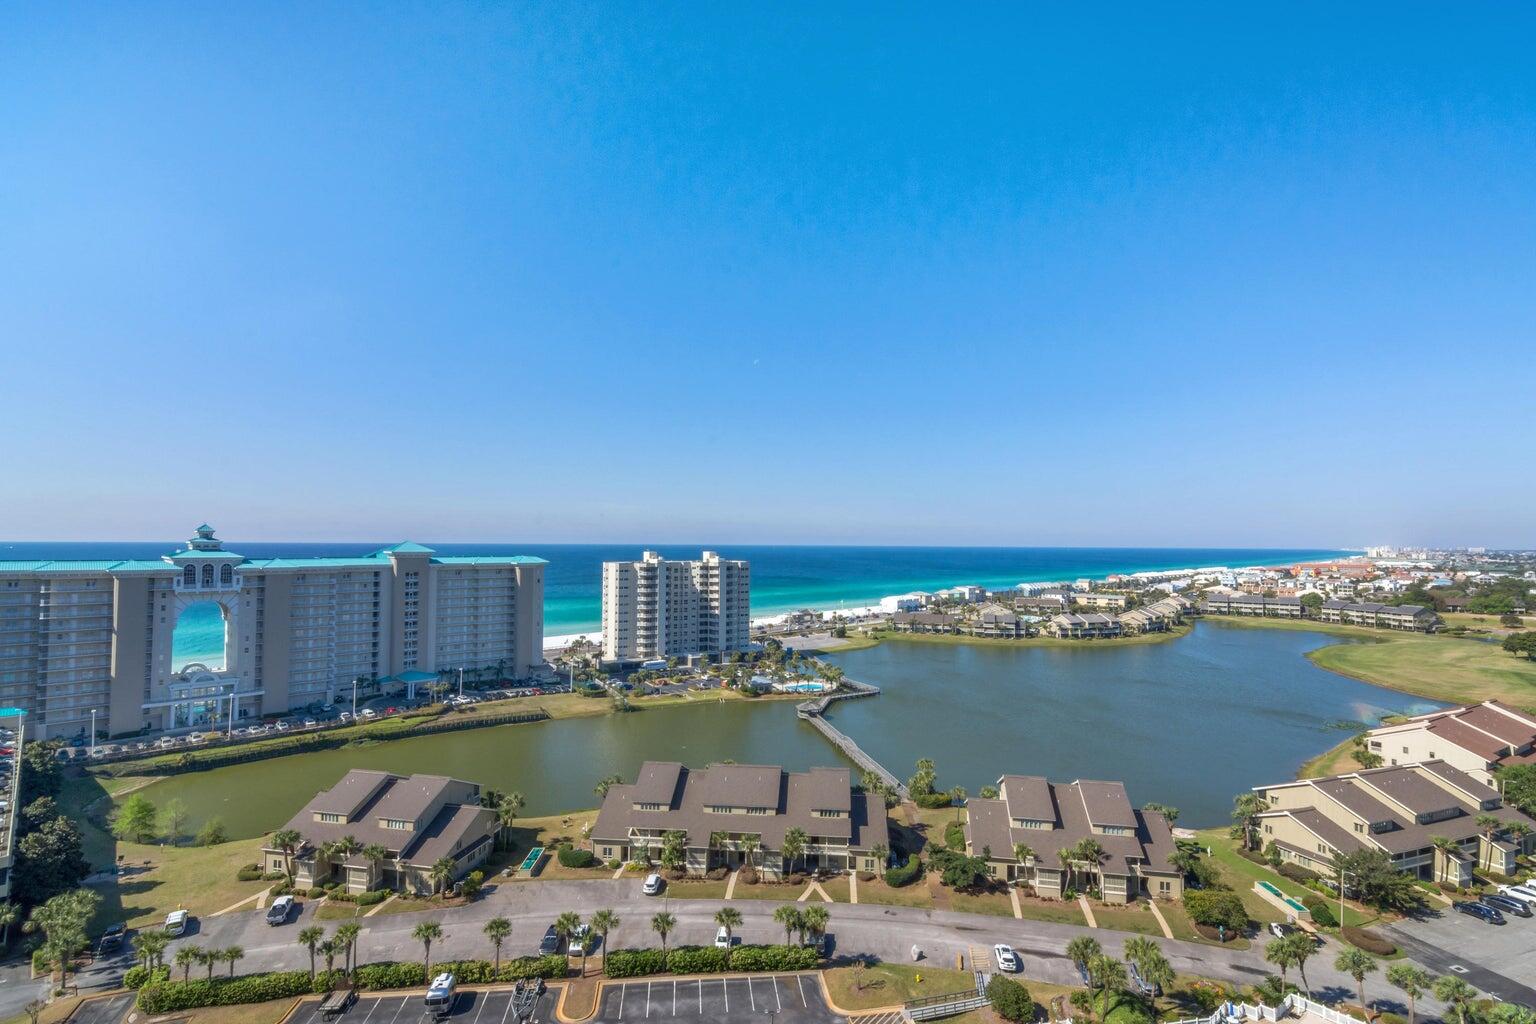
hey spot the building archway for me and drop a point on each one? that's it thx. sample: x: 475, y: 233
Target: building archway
x: 204, y: 633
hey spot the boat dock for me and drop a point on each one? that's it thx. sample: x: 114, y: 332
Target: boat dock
x: 814, y: 711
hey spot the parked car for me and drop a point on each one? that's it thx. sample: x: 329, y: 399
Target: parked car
x: 176, y: 922
x: 578, y: 943
x: 1007, y: 960
x: 1506, y: 904
x: 368, y: 713
x: 1521, y: 891
x: 283, y: 727
x: 723, y: 938
x: 112, y: 938
x: 278, y: 912
x: 310, y: 723
x: 653, y: 884
x: 551, y: 941
x: 1478, y: 910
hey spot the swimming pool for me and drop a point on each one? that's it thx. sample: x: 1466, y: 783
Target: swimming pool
x: 1297, y: 907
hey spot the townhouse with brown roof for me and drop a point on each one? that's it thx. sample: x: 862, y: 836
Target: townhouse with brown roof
x: 1100, y: 602
x: 1401, y: 811
x: 1479, y: 739
x: 734, y: 814
x: 994, y: 620
x: 1054, y: 821
x: 1253, y: 604
x: 1379, y: 616
x: 1153, y: 618
x: 925, y: 622
x: 418, y: 821
x: 1091, y: 626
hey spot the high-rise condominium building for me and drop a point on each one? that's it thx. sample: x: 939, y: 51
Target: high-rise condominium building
x: 658, y: 608
x: 84, y: 637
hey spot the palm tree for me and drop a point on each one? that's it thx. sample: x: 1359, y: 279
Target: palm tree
x: 728, y: 918
x: 1108, y: 975
x: 209, y: 957
x: 794, y: 845
x: 328, y: 949
x: 1065, y: 856
x: 717, y: 841
x: 231, y: 955
x: 882, y: 854
x: 375, y: 854
x: 1302, y: 947
x: 1245, y: 811
x: 186, y: 956
x: 1413, y: 981
x: 603, y: 922
x: 347, y: 935
x: 790, y: 919
x: 150, y: 947
x: 1281, y: 954
x: 442, y: 872
x: 606, y: 783
x: 1082, y: 950
x: 427, y: 933
x: 1091, y: 853
x: 1456, y: 994
x: 1487, y: 824
x: 9, y: 913
x: 288, y: 840
x: 310, y: 937
x: 507, y: 810
x: 749, y: 847
x: 1356, y: 963
x: 1447, y: 848
x: 814, y: 918
x: 566, y: 926
x: 662, y: 924
x: 497, y: 929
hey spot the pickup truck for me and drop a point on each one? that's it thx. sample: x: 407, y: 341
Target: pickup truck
x: 278, y: 912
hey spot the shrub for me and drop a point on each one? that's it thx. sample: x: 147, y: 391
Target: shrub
x: 717, y: 874
x: 1297, y: 873
x: 138, y: 976
x: 866, y: 876
x: 390, y: 975
x: 571, y: 857
x: 696, y: 960
x: 931, y: 800
x: 371, y: 897
x: 748, y: 875
x: 904, y: 874
x: 1322, y: 913
x: 273, y: 876
x: 614, y: 865
x: 954, y: 836
x: 634, y: 963
x: 1010, y: 999
x: 315, y: 892
x: 1215, y: 908
x: 249, y: 873
x: 1371, y: 942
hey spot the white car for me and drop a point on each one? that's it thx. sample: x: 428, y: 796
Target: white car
x: 653, y: 884
x: 578, y: 943
x: 176, y: 922
x: 723, y: 938
x: 1525, y: 892
x: 368, y: 713
x: 1007, y: 960
x: 283, y: 727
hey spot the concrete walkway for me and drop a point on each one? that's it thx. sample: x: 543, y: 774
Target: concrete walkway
x: 853, y: 887
x: 730, y: 885
x: 258, y: 897
x: 382, y: 905
x: 1082, y: 901
x: 814, y: 887
x: 1162, y: 922
x: 1013, y: 895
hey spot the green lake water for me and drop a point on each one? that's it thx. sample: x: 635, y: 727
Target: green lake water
x: 1188, y: 722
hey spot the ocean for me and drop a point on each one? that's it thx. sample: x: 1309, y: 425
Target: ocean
x: 783, y: 578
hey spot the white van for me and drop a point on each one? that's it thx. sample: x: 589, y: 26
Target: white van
x: 440, y: 996
x: 176, y: 922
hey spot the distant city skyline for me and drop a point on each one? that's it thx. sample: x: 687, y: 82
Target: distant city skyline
x: 1204, y: 276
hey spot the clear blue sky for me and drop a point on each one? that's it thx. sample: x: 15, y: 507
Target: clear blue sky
x: 776, y: 273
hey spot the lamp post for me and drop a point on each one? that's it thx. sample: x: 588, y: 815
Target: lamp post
x: 93, y: 729
x: 461, y: 680
x: 354, y: 697
x: 234, y: 699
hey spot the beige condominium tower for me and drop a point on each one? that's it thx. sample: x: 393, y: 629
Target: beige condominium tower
x: 661, y: 608
x: 84, y: 637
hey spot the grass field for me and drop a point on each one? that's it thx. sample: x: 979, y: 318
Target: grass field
x: 854, y: 988
x: 1488, y: 622
x: 1132, y: 918
x: 914, y: 895
x: 1240, y: 873
x: 1332, y: 761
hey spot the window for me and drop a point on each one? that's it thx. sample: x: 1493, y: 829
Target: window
x: 189, y: 576
x: 334, y: 819
x: 208, y: 575
x: 226, y: 574
x: 396, y: 823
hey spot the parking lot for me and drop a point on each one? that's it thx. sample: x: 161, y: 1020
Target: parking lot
x: 102, y: 1011
x: 792, y: 998
x: 498, y: 1007
x: 1492, y: 958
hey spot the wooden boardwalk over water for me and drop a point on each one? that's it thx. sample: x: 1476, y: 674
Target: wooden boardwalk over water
x: 814, y: 711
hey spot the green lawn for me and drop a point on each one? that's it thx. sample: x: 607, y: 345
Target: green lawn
x: 854, y: 988
x: 995, y: 903
x: 1443, y: 668
x: 1135, y: 917
x: 1333, y: 761
x: 1060, y: 911
x: 914, y: 895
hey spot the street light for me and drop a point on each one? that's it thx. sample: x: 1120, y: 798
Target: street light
x: 461, y: 680
x: 93, y: 729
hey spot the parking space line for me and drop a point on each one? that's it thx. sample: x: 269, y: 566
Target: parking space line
x: 622, y: 989
x: 779, y: 1003
x: 725, y: 989
x: 510, y: 1000
x: 647, y: 999
x: 403, y: 1001
x: 372, y: 1005
x: 751, y: 995
x: 799, y: 983
x: 481, y: 999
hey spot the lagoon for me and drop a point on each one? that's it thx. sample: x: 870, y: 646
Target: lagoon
x: 1187, y: 722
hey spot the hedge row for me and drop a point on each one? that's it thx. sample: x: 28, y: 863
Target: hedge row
x: 164, y: 996
x: 904, y: 874
x: 932, y: 800
x: 1369, y: 941
x: 635, y: 963
x: 137, y: 977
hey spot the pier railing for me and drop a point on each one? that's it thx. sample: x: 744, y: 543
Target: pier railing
x: 813, y: 711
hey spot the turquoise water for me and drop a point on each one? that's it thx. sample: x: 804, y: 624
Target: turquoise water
x: 199, y: 637
x: 783, y: 578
